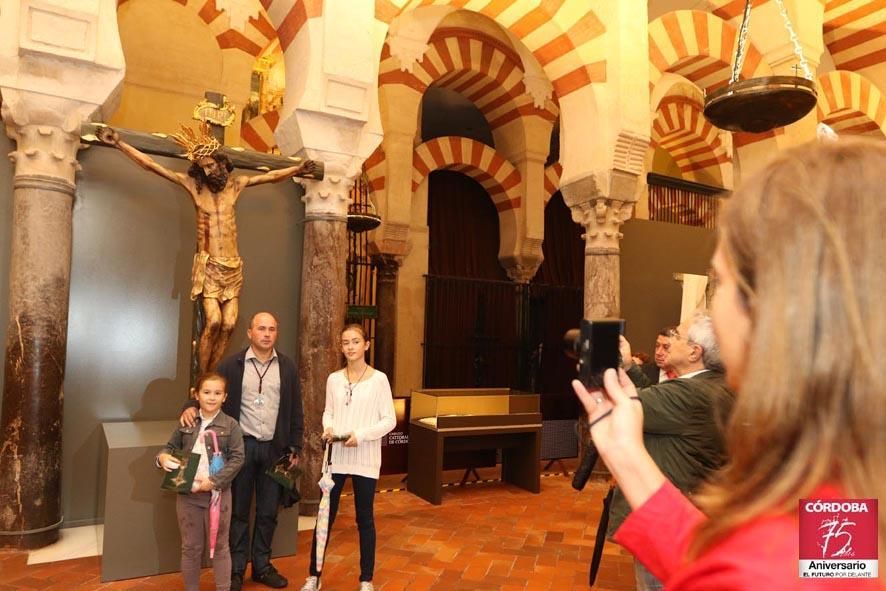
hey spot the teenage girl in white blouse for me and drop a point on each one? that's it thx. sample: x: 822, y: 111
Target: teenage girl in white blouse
x: 359, y: 405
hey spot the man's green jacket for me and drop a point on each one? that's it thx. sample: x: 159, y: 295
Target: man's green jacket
x: 683, y: 422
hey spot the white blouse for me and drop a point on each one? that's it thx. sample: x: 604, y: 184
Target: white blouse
x: 368, y: 411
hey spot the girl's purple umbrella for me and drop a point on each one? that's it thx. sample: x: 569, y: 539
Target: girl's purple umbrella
x: 216, y: 463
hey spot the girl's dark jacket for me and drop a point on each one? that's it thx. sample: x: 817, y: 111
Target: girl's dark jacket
x: 230, y: 442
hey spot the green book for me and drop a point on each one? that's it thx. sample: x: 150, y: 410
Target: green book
x: 282, y: 474
x: 182, y: 479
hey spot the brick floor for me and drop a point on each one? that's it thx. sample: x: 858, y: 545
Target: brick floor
x: 484, y: 537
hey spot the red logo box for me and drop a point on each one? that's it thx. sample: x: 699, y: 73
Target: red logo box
x: 838, y: 538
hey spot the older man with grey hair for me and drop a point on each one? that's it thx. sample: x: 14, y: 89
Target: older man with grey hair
x: 682, y: 418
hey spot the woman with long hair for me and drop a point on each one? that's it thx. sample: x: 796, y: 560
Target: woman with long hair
x: 801, y: 272
x: 359, y: 407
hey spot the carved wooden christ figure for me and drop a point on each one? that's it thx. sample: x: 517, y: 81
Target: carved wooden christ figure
x: 217, y: 274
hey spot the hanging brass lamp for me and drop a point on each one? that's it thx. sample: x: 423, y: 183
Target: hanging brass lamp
x: 761, y: 104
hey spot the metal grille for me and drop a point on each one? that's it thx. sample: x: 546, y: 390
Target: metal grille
x: 682, y: 202
x: 484, y: 333
x: 361, y: 273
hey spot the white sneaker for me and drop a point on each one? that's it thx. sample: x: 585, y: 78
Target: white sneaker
x: 311, y: 584
x: 366, y: 586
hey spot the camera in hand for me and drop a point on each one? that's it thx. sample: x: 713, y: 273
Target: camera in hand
x: 595, y: 346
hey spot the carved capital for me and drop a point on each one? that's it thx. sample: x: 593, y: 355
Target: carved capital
x: 523, y: 267
x: 522, y: 273
x: 46, y: 132
x: 539, y: 88
x: 329, y: 198
x: 388, y: 266
x: 407, y: 51
x: 602, y: 219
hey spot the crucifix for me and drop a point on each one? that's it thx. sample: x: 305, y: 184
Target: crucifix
x: 217, y: 273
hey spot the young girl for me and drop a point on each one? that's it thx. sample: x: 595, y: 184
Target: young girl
x: 359, y: 405
x: 193, y: 508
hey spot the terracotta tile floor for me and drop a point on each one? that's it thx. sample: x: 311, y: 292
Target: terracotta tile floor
x: 484, y: 537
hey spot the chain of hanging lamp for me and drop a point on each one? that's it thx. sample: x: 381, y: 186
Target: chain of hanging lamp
x: 798, y: 51
x: 742, y: 48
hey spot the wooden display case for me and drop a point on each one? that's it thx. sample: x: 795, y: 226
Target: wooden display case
x: 447, y: 421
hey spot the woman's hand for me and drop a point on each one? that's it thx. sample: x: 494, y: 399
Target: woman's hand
x: 168, y: 462
x: 616, y: 418
x: 327, y: 435
x: 352, y: 440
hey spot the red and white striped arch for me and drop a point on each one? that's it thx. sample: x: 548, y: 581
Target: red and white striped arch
x: 480, y: 68
x: 552, y: 180
x: 474, y: 159
x: 258, y: 34
x: 374, y: 168
x: 681, y: 130
x: 855, y: 33
x: 700, y: 47
x: 258, y: 132
x: 730, y: 9
x: 565, y: 36
x: 289, y: 16
x: 851, y: 104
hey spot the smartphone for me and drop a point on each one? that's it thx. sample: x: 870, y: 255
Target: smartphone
x: 598, y: 349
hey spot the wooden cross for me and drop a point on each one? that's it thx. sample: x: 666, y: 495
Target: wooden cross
x: 161, y: 144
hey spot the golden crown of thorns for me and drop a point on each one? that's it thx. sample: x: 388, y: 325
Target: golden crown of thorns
x: 196, y: 144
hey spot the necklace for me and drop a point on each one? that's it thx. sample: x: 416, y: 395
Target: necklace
x: 352, y: 384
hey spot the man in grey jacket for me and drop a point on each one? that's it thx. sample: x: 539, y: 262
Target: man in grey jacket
x: 683, y: 418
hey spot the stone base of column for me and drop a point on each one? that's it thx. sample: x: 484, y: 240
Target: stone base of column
x: 30, y: 541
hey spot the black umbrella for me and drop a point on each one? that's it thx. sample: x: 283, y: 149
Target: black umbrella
x: 600, y: 540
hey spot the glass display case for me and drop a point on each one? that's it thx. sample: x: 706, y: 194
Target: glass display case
x: 447, y: 422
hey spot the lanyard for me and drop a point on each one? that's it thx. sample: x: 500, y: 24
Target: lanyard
x: 261, y: 374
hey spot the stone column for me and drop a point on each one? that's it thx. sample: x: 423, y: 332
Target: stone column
x: 323, y: 309
x: 387, y: 267
x: 601, y: 218
x: 58, y: 66
x: 390, y: 245
x: 45, y: 161
x: 330, y: 113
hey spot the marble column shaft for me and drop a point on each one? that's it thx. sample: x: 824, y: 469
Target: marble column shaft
x: 386, y: 325
x: 602, y: 284
x: 39, y: 284
x: 602, y: 219
x: 323, y: 309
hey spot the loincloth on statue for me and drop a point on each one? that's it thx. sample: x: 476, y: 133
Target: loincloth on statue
x: 220, y: 278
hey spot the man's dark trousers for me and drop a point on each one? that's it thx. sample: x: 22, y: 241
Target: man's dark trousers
x: 253, y: 478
